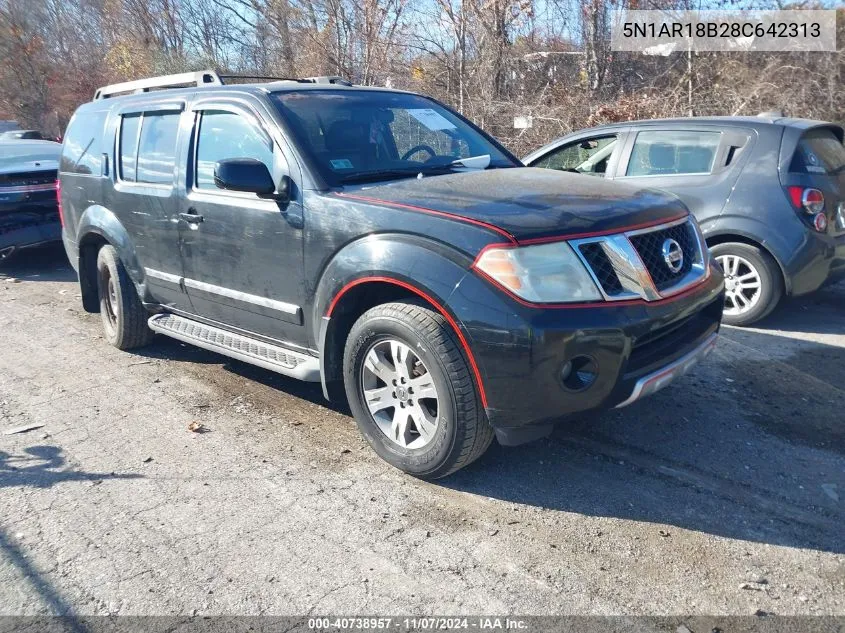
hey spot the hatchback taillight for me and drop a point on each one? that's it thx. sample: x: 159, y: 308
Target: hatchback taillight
x: 811, y: 202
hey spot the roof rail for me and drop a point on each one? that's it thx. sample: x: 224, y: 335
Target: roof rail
x: 199, y: 78
x: 328, y: 79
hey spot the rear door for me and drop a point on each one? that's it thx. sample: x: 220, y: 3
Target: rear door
x: 817, y: 160
x: 699, y: 164
x: 144, y: 196
x: 242, y: 253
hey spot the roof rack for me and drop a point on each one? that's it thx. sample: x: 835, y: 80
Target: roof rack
x: 199, y: 78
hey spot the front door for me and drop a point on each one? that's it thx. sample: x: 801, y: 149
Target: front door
x: 594, y: 155
x: 242, y: 253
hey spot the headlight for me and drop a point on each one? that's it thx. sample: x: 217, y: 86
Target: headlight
x: 546, y: 273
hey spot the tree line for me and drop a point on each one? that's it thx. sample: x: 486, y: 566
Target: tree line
x: 493, y: 60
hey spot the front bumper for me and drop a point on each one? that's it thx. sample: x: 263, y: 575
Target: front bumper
x: 29, y: 224
x: 635, y: 350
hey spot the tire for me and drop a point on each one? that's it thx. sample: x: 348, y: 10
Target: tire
x: 461, y: 432
x: 746, y: 261
x: 124, y: 316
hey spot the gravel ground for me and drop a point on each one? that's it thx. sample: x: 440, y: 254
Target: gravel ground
x: 723, y: 494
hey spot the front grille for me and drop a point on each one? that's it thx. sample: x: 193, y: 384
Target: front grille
x: 602, y: 268
x: 28, y: 178
x: 649, y: 246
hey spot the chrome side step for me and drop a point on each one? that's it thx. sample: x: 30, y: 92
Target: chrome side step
x: 244, y: 348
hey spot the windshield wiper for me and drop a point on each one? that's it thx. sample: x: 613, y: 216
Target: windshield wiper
x: 380, y: 174
x: 470, y: 163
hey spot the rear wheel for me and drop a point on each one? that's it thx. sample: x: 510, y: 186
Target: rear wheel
x: 753, y: 282
x: 411, y: 391
x: 124, y: 316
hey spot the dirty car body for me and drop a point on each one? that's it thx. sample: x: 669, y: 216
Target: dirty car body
x: 525, y: 295
x: 29, y: 213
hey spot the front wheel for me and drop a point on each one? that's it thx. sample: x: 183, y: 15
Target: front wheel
x: 753, y: 282
x: 412, y: 392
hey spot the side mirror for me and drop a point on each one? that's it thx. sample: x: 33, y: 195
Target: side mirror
x: 246, y: 174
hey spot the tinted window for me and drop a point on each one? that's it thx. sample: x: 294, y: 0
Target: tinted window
x: 227, y: 135
x: 82, y: 153
x: 589, y: 156
x: 157, y: 147
x: 673, y: 152
x: 129, y: 146
x: 819, y: 151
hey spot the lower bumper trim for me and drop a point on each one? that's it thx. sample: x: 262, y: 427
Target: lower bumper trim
x: 659, y: 379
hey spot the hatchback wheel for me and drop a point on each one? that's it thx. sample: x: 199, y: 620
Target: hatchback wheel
x: 411, y: 391
x: 753, y: 283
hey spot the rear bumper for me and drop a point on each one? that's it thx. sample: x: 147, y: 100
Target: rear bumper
x: 819, y: 261
x: 635, y: 350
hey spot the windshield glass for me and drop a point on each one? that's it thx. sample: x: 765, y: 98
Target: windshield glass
x: 357, y: 135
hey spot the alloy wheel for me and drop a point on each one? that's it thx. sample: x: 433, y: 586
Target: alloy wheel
x: 400, y: 394
x: 743, y: 286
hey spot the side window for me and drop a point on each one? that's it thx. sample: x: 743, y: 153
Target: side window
x: 81, y: 151
x: 128, y: 151
x: 673, y: 152
x: 157, y: 147
x: 225, y: 135
x: 589, y: 156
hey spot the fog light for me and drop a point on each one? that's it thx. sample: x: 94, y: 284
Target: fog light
x: 820, y: 222
x: 579, y: 373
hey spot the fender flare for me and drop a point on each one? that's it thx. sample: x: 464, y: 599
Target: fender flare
x: 417, y: 265
x: 99, y: 220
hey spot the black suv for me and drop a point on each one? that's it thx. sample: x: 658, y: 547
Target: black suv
x: 376, y: 238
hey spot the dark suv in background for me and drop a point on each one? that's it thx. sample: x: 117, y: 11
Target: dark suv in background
x: 768, y: 192
x: 376, y: 238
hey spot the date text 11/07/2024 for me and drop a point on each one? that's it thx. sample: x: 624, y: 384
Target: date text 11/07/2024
x: 486, y: 623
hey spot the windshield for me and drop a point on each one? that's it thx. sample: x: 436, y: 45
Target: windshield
x: 357, y: 136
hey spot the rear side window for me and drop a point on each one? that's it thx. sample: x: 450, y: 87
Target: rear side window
x: 129, y: 128
x: 819, y: 152
x: 148, y: 157
x: 81, y: 152
x: 673, y: 152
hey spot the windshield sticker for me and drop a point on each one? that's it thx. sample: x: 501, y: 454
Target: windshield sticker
x: 432, y: 119
x: 341, y: 163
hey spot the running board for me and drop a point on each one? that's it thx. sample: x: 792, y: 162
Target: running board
x: 238, y: 346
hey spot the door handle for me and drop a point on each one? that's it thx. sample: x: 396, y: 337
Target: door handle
x: 191, y: 217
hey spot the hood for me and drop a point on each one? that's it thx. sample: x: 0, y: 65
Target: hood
x: 531, y: 203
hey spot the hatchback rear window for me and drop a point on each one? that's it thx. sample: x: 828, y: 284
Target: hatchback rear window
x: 819, y: 152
